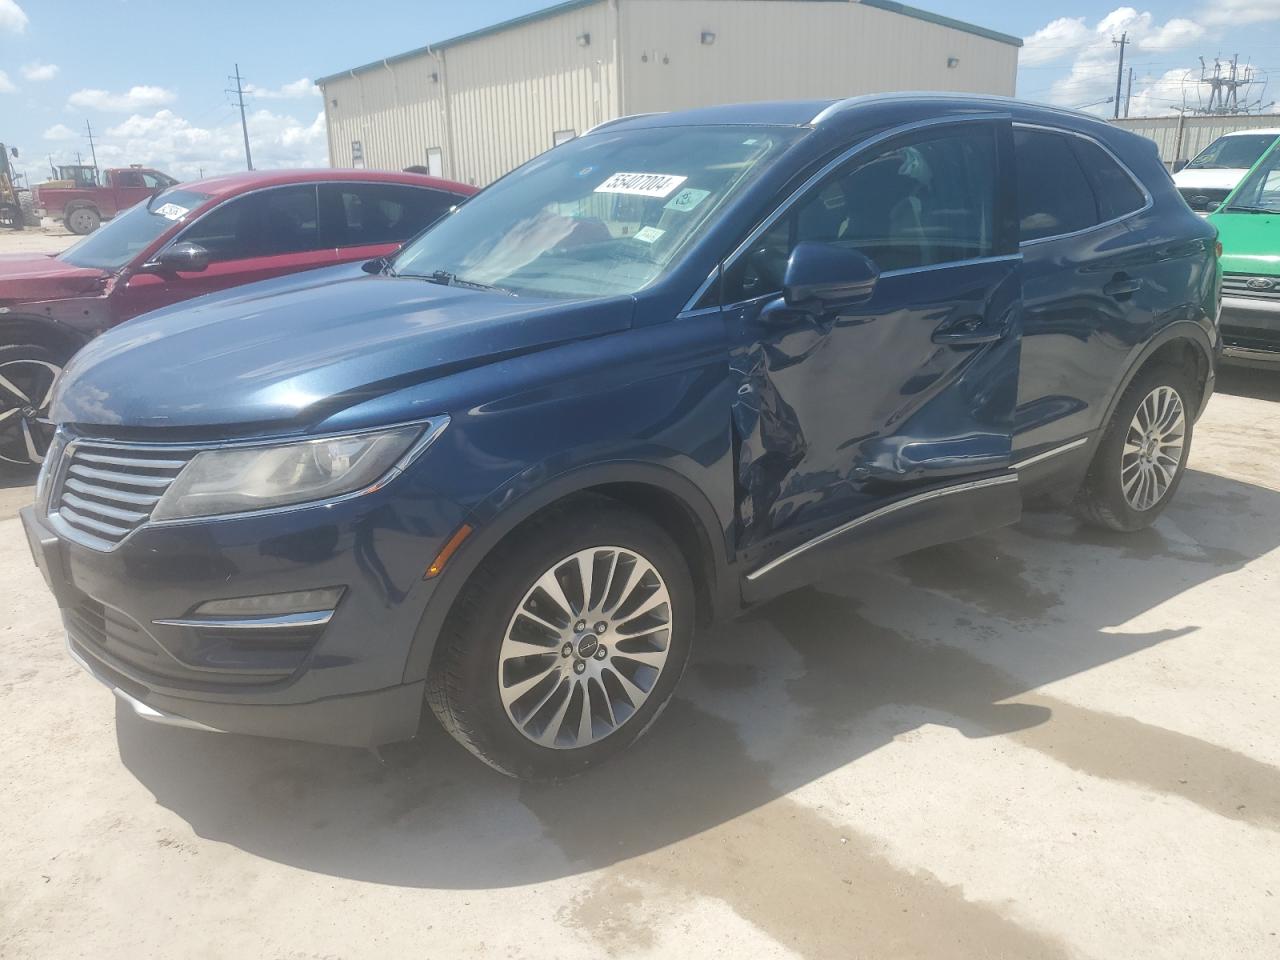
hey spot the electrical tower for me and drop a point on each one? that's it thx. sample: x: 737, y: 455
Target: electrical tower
x: 1225, y: 80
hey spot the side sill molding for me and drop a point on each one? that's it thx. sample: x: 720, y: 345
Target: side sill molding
x: 876, y: 515
x: 1021, y: 464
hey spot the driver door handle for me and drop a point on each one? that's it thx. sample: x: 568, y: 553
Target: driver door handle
x: 1121, y: 285
x: 967, y: 330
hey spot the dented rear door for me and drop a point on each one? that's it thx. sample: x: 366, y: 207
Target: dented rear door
x: 842, y: 410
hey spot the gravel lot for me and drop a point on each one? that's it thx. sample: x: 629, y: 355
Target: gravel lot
x: 1041, y: 743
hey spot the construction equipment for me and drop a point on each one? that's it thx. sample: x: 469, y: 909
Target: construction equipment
x: 12, y: 206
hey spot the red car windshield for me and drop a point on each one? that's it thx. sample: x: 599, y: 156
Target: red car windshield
x: 118, y: 241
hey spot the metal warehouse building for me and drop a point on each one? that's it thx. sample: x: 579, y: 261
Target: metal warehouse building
x: 1181, y: 138
x: 475, y: 106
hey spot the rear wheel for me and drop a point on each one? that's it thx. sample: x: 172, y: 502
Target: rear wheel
x: 566, y: 643
x: 83, y: 220
x: 11, y: 216
x: 27, y: 375
x: 1143, y: 453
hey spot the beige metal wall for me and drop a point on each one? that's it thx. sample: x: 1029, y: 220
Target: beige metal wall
x: 779, y: 50
x: 495, y: 100
x: 1197, y: 132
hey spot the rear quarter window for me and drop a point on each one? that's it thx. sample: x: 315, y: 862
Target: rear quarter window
x: 1054, y: 195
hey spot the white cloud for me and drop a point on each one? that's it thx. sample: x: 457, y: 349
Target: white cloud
x: 1157, y: 96
x: 294, y: 90
x: 12, y: 17
x: 60, y: 131
x: 1231, y: 13
x: 170, y: 143
x: 39, y: 71
x: 1059, y: 38
x: 135, y: 98
x: 1091, y: 76
x: 1174, y: 35
x: 6, y: 85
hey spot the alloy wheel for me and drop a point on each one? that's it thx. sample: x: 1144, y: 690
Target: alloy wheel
x: 1153, y: 448
x: 585, y: 647
x: 26, y: 387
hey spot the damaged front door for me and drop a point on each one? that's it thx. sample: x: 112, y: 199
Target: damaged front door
x: 868, y: 404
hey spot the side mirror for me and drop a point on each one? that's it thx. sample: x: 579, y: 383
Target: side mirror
x: 826, y: 273
x: 1179, y: 165
x: 180, y: 258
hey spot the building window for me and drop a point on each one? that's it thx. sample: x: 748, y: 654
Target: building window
x: 562, y: 136
x: 435, y: 162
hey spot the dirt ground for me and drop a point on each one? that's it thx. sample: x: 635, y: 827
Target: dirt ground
x: 36, y: 239
x: 1045, y: 742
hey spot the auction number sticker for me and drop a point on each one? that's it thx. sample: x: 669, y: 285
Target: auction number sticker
x: 172, y: 211
x: 641, y: 184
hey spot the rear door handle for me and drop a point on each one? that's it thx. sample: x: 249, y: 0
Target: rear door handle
x: 1121, y: 285
x: 968, y: 330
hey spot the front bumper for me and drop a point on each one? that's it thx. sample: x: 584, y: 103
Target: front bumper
x: 341, y: 683
x: 1251, y: 330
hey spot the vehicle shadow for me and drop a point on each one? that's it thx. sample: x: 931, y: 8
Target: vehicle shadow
x: 1248, y: 382
x: 802, y: 686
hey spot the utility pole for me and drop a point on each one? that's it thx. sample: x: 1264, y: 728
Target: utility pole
x: 1128, y: 94
x: 1121, y: 43
x: 92, y: 151
x: 244, y: 125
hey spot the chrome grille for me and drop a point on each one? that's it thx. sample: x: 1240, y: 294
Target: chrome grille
x: 1237, y: 285
x: 106, y: 491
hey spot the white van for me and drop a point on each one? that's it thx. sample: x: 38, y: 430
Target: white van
x: 1205, y: 182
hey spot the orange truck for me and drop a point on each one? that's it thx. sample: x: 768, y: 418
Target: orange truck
x: 82, y: 200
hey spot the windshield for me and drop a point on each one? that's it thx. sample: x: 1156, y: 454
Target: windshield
x: 599, y: 216
x: 122, y: 238
x: 1259, y: 191
x: 1238, y: 152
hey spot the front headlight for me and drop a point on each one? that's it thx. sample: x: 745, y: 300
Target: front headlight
x: 244, y: 479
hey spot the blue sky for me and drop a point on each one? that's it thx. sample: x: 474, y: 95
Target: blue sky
x: 150, y: 74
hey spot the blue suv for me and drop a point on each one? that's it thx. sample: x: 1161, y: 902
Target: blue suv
x: 672, y: 368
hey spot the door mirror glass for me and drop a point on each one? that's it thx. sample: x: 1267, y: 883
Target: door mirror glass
x: 824, y: 273
x: 181, y: 258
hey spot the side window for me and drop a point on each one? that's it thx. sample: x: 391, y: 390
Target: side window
x: 154, y: 181
x: 1054, y: 197
x: 1115, y: 190
x: 356, y: 214
x: 267, y: 223
x: 128, y: 178
x: 927, y: 201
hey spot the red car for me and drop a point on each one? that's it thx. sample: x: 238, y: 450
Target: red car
x: 191, y: 239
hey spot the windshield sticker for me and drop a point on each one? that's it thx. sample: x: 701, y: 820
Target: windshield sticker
x: 648, y: 234
x: 641, y: 184
x: 687, y: 199
x: 171, y: 211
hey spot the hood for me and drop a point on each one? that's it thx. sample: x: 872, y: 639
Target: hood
x: 1250, y: 242
x: 41, y: 276
x: 294, y: 350
x: 1219, y: 178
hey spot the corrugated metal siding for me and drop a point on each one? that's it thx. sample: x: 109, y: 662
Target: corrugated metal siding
x: 781, y: 50
x: 1197, y: 132
x: 500, y: 97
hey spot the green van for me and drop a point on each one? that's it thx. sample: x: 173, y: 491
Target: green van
x: 1248, y: 225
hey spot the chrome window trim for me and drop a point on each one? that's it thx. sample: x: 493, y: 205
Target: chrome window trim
x: 1149, y: 201
x: 1072, y: 445
x: 729, y: 262
x: 434, y: 426
x: 876, y: 514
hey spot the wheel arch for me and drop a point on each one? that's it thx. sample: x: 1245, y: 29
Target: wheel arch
x: 1183, y: 343
x: 23, y: 328
x: 663, y: 495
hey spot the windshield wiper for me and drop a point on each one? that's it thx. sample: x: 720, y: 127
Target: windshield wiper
x: 1247, y: 208
x: 447, y: 279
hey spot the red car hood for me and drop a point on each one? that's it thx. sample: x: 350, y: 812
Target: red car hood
x: 40, y: 276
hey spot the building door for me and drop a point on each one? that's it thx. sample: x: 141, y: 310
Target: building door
x: 435, y: 162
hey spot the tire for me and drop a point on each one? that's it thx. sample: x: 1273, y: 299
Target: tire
x: 479, y: 682
x: 24, y: 437
x: 1131, y: 479
x: 82, y: 220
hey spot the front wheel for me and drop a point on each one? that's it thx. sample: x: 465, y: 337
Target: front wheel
x: 83, y: 220
x: 1143, y: 452
x: 566, y: 643
x: 27, y: 374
